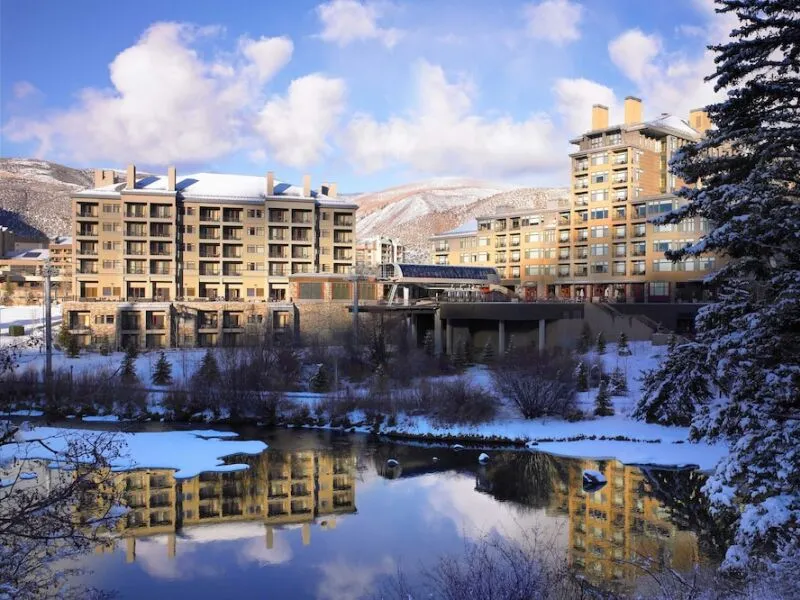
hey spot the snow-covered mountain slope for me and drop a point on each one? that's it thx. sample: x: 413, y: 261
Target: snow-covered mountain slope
x: 412, y: 213
x: 34, y: 195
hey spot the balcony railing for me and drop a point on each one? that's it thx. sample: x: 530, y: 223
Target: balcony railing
x: 135, y: 270
x: 339, y: 221
x: 87, y: 214
x: 619, y: 217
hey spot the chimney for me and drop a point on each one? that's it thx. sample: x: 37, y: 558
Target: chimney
x: 633, y: 110
x: 698, y: 119
x: 130, y: 180
x: 599, y: 117
x: 306, y: 186
x: 172, y: 176
x: 270, y: 183
x: 103, y: 177
x: 323, y: 189
x: 332, y: 190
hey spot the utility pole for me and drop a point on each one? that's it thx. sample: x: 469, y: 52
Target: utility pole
x: 355, y: 307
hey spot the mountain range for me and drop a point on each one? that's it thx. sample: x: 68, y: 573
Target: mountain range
x: 34, y: 201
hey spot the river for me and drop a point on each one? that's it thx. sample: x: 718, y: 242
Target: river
x: 321, y: 515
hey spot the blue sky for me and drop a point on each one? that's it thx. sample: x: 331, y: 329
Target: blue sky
x: 368, y: 94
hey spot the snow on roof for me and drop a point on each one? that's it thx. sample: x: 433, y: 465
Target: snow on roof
x: 36, y: 254
x: 62, y: 240
x: 222, y: 186
x: 676, y: 123
x: 470, y: 226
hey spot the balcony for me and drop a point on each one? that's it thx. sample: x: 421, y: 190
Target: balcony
x: 563, y: 237
x: 157, y: 323
x: 581, y: 237
x: 206, y: 271
x: 86, y: 270
x: 639, y: 232
x: 229, y: 271
x: 278, y: 254
x: 619, y: 217
x: 135, y: 213
x: 582, y: 165
x: 278, y: 271
x: 157, y: 212
x: 231, y: 236
x: 581, y: 185
x: 581, y: 271
x: 135, y: 270
x: 301, y: 235
x: 86, y: 214
x: 209, y: 235
x: 636, y: 270
x: 87, y: 251
x: 279, y: 216
x: 135, y: 232
x: 620, y: 159
x: 342, y: 221
x: 640, y: 214
x: 619, y: 180
x: 160, y: 232
x: 232, y: 252
x: 302, y: 219
x: 209, y: 254
x: 160, y: 270
x: 209, y: 216
x: 233, y: 216
x: 87, y: 231
x: 638, y: 252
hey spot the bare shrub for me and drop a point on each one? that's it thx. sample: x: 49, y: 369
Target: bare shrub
x: 495, y: 568
x: 458, y: 402
x: 538, y: 384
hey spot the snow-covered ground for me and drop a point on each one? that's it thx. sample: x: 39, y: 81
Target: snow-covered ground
x: 188, y: 452
x: 29, y: 316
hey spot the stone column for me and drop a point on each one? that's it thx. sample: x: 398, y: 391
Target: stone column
x: 542, y: 333
x: 406, y: 296
x: 501, y: 338
x: 448, y: 337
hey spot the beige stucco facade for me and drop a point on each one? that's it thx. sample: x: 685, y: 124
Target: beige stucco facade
x: 599, y: 242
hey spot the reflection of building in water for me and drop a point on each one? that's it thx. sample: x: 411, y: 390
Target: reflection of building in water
x: 618, y: 524
x: 278, y: 488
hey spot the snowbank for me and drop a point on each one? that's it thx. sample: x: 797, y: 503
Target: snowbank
x: 188, y: 452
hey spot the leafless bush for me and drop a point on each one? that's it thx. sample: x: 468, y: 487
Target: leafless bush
x: 458, y: 402
x: 495, y: 568
x: 538, y: 385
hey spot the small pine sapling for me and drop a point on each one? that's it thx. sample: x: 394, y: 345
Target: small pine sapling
x: 582, y: 377
x: 601, y: 343
x: 623, y: 349
x: 585, y: 340
x: 602, y: 402
x: 72, y: 348
x: 162, y: 373
x: 128, y: 368
x: 62, y: 339
x: 618, y: 382
x: 320, y: 382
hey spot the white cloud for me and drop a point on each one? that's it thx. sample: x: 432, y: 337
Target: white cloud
x: 297, y: 125
x: 668, y: 81
x: 24, y: 89
x: 575, y: 98
x: 553, y: 20
x: 343, y: 581
x: 347, y: 21
x: 633, y: 52
x: 268, y: 55
x: 442, y: 135
x: 169, y: 103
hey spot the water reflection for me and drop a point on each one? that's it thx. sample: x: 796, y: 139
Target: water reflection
x: 639, y: 513
x: 278, y: 489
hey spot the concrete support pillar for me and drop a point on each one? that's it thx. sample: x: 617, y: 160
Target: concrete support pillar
x: 501, y: 338
x: 270, y: 541
x: 646, y: 292
x: 628, y: 292
x: 409, y: 331
x: 172, y: 545
x: 306, y: 534
x: 542, y: 334
x: 130, y: 549
x: 406, y: 296
x: 437, y: 334
x: 448, y: 337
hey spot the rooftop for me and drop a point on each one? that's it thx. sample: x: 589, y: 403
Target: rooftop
x: 222, y: 186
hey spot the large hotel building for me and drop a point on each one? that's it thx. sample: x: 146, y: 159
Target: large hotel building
x: 200, y: 259
x: 599, y: 242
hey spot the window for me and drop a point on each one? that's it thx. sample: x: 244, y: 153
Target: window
x: 600, y: 267
x: 659, y: 288
x: 599, y: 213
x: 253, y: 249
x: 187, y: 247
x: 112, y: 246
x: 550, y: 235
x: 111, y: 208
x: 614, y: 138
x: 600, y: 177
x: 600, y: 231
x: 189, y: 266
x: 599, y: 249
x: 107, y: 227
x: 255, y: 213
x: 599, y: 195
x: 664, y: 228
x: 596, y: 141
x: 686, y: 226
x: 189, y: 210
x: 661, y: 246
x: 705, y: 264
x: 660, y: 207
x: 188, y: 229
x: 532, y: 238
x: 533, y: 253
x: 258, y: 231
x: 601, y: 158
x: 662, y: 265
x: 619, y: 268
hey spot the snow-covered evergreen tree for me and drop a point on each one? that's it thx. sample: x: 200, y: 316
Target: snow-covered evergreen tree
x: 162, y: 373
x: 746, y: 176
x: 618, y: 382
x: 320, y: 382
x: 73, y: 349
x: 127, y: 371
x: 623, y: 349
x: 209, y: 369
x: 582, y: 377
x: 672, y: 393
x: 600, y: 342
x: 602, y: 402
